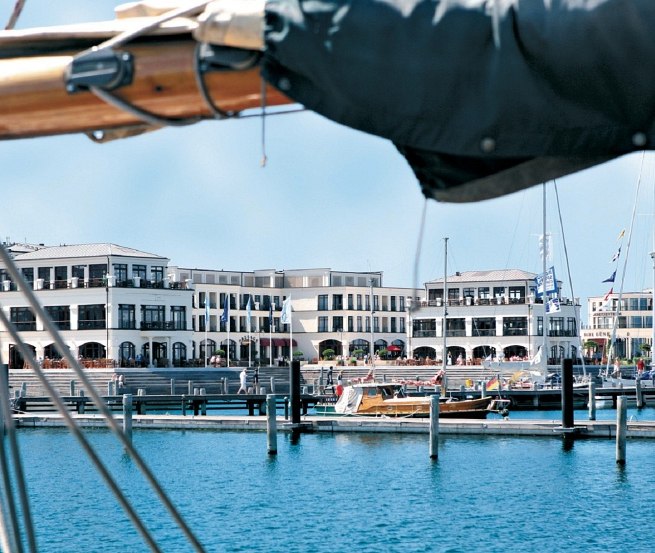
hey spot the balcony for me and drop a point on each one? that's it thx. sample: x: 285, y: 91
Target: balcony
x: 159, y: 325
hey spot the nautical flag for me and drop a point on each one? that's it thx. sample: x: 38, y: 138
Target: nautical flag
x: 607, y: 302
x: 609, y: 294
x: 206, y: 309
x: 285, y: 317
x: 551, y: 282
x: 610, y: 279
x: 544, y: 247
x: 536, y: 360
x: 248, y: 314
x: 553, y: 306
x: 616, y: 255
x: 225, y: 316
x: 492, y: 384
x: 270, y: 315
x: 621, y: 234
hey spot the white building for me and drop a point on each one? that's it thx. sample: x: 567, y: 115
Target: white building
x: 634, y: 323
x: 108, y: 301
x: 491, y: 313
x: 331, y: 310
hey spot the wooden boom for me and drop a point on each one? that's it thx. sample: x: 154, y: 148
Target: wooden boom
x: 34, y: 100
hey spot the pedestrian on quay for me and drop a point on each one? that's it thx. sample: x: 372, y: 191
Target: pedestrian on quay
x: 329, y: 382
x: 243, y: 381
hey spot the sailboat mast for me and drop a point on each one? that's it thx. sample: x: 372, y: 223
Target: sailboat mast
x: 445, y: 300
x: 543, y: 276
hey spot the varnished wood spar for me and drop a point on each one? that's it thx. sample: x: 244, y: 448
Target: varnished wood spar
x: 34, y: 101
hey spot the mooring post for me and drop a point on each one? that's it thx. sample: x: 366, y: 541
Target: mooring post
x: 621, y: 429
x: 434, y: 426
x: 483, y: 389
x: 81, y: 404
x: 190, y: 387
x: 640, y: 396
x: 110, y: 388
x: 567, y: 393
x: 72, y: 388
x: 127, y: 416
x: 272, y: 384
x: 183, y: 404
x: 271, y: 424
x: 23, y: 389
x: 294, y: 384
x: 172, y: 386
x: 592, y: 400
x: 286, y: 408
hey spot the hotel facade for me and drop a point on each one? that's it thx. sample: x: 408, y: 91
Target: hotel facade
x: 120, y: 306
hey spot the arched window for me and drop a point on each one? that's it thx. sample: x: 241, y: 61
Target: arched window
x: 127, y: 354
x: 179, y: 354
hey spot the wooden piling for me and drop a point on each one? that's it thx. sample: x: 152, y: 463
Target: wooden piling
x: 272, y: 384
x: 271, y: 424
x: 567, y: 394
x: 621, y: 429
x: 172, y: 386
x: 640, y: 396
x: 483, y: 389
x: 81, y: 406
x: 434, y: 426
x: 190, y: 387
x: 127, y: 416
x: 72, y: 388
x: 592, y: 400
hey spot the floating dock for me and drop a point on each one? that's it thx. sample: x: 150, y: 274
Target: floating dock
x: 490, y: 427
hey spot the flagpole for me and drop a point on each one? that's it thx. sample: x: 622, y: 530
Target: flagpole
x: 270, y: 334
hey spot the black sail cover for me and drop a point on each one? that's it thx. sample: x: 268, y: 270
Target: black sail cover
x: 483, y: 98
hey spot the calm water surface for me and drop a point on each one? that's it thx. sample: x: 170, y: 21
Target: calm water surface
x: 345, y: 493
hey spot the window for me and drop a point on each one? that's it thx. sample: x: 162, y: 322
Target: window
x: 178, y: 317
x: 351, y: 324
x: 153, y: 317
x: 44, y: 274
x: 91, y: 317
x: 455, y: 327
x: 376, y: 324
x: 359, y: 324
x: 337, y: 324
x: 97, y: 274
x: 359, y: 302
x: 515, y: 326
x: 22, y: 318
x: 77, y: 271
x: 393, y: 324
x: 127, y: 354
x: 60, y: 315
x: 469, y: 292
x: 368, y: 324
x: 322, y: 302
x: 402, y: 324
x: 572, y: 327
x: 337, y: 302
x: 499, y: 291
x: 61, y: 277
x: 483, y: 293
x: 157, y: 273
x: 517, y: 294
x: 402, y: 303
x: 351, y: 303
x: 120, y: 273
x: 139, y: 271
x: 28, y: 275
x: 322, y: 324
x: 424, y: 328
x: 376, y: 303
x: 453, y: 294
x: 393, y: 303
x: 484, y: 326
x: 126, y: 316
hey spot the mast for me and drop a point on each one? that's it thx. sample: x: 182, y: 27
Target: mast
x: 544, y: 353
x: 445, y: 300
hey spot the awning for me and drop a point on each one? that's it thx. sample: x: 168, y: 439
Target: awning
x: 283, y: 342
x: 265, y: 342
x: 394, y: 348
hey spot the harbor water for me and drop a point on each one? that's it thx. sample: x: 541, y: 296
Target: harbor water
x: 345, y: 492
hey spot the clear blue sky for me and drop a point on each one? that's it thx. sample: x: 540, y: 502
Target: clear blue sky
x: 329, y: 197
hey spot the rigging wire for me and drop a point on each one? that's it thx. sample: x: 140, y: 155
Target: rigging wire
x: 568, y: 270
x: 15, y: 14
x: 101, y: 405
x: 625, y: 264
x: 417, y: 256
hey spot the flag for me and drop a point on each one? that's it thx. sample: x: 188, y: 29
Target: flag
x: 270, y: 315
x: 544, y: 247
x: 616, y: 256
x: 609, y: 294
x: 492, y: 384
x: 610, y: 279
x: 553, y: 306
x: 621, y: 235
x: 225, y: 316
x: 607, y: 302
x: 248, y: 314
x: 536, y: 360
x: 206, y: 309
x: 285, y: 317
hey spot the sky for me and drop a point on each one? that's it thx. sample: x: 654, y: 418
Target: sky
x: 329, y: 196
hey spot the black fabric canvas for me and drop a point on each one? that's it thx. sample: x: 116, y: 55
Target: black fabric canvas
x: 569, y: 86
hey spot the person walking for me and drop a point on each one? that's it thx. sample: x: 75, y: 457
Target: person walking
x: 243, y: 381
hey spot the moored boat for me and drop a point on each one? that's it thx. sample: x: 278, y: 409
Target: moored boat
x: 389, y: 399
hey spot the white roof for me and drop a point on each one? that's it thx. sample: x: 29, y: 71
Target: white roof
x: 85, y: 250
x: 495, y: 275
